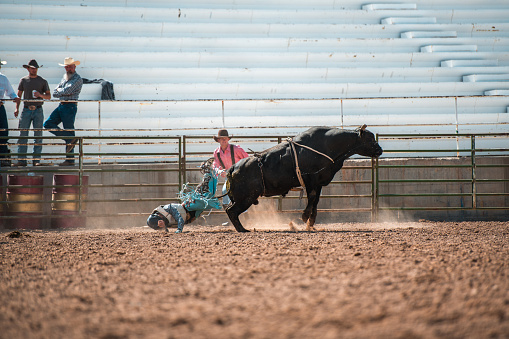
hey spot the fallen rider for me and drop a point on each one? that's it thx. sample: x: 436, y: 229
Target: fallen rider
x: 193, y: 202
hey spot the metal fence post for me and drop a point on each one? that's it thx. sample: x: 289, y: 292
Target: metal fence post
x: 99, y: 129
x: 182, y: 161
x: 280, y: 198
x: 474, y: 188
x: 80, y: 175
x: 374, y: 188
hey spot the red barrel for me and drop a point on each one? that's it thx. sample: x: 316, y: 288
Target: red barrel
x: 65, y: 188
x: 25, y: 203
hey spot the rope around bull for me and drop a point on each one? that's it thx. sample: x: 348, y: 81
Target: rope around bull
x: 297, y: 169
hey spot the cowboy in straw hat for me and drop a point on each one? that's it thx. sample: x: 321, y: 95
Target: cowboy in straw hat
x: 68, y: 91
x: 70, y: 61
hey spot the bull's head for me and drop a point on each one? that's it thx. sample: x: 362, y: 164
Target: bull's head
x: 368, y: 147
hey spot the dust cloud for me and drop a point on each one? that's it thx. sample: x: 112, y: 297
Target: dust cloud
x: 265, y: 216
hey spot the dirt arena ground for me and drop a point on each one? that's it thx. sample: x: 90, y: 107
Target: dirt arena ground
x: 408, y: 280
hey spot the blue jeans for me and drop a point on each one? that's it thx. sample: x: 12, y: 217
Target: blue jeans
x: 65, y: 114
x: 28, y: 117
x: 226, y: 198
x: 3, y: 125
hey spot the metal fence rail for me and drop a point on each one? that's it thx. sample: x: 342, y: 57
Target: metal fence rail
x: 129, y: 184
x: 468, y: 184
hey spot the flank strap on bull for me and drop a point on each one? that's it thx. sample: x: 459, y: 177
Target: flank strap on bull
x: 297, y: 169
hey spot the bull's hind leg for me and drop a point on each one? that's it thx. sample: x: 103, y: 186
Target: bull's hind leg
x: 234, y: 210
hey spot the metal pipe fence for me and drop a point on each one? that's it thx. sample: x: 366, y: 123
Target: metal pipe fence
x: 477, y: 172
x: 129, y: 176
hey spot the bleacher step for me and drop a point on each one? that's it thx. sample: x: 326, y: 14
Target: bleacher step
x: 486, y: 77
x: 429, y: 34
x: 71, y: 43
x: 469, y: 63
x: 154, y: 75
x: 498, y: 92
x: 275, y: 91
x: 448, y: 48
x: 210, y: 14
x: 246, y: 59
x: 248, y: 30
x: 394, y: 6
x: 408, y: 20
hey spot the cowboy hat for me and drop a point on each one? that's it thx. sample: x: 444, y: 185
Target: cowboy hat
x: 32, y: 64
x: 2, y: 62
x: 70, y: 61
x: 222, y: 133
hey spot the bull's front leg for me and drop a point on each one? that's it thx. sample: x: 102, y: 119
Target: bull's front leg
x: 314, y: 209
x: 311, y: 193
x: 309, y: 215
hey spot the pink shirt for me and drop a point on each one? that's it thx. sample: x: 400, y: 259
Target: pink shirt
x: 226, y: 156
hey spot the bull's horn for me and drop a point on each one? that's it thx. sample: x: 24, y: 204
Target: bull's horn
x: 363, y: 127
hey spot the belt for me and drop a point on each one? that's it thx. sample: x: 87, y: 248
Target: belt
x: 68, y: 102
x: 33, y: 107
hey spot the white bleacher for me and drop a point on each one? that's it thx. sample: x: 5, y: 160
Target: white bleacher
x: 470, y: 63
x: 486, y: 77
x: 449, y: 48
x: 279, y: 66
x: 280, y: 4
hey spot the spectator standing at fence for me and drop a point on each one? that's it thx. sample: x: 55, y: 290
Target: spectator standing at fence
x: 68, y: 91
x: 31, y: 86
x: 225, y: 156
x: 6, y: 91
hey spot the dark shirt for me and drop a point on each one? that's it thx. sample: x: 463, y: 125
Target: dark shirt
x: 28, y: 84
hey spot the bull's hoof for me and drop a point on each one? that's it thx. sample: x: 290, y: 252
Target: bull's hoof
x: 310, y: 227
x: 240, y: 228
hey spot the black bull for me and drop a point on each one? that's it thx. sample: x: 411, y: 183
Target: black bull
x: 273, y: 171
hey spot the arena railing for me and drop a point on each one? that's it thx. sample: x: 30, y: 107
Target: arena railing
x: 471, y: 175
x: 128, y: 184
